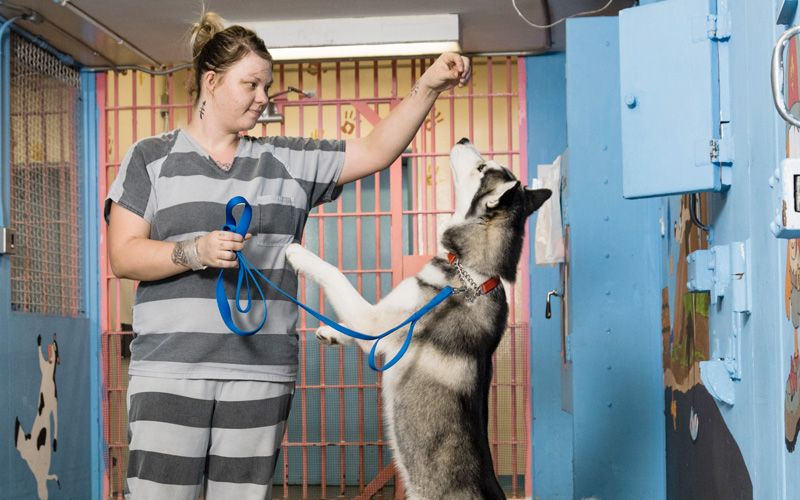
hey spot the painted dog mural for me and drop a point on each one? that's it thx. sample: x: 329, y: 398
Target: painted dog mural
x: 37, y: 446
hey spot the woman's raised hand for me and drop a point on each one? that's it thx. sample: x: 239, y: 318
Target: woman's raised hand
x: 449, y: 70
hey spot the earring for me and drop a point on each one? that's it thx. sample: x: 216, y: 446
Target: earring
x: 202, y: 109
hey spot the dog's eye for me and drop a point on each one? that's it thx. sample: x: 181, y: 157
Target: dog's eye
x: 481, y: 167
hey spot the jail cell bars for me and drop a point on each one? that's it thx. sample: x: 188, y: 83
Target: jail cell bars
x: 46, y: 271
x: 380, y: 230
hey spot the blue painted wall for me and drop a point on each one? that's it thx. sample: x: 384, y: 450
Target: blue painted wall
x: 614, y: 314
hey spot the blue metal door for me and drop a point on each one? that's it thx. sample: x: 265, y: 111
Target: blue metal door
x: 673, y: 98
x: 46, y: 351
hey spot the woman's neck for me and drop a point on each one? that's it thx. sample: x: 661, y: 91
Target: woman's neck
x: 215, y: 139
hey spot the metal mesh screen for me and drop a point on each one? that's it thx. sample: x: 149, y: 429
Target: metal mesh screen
x: 46, y: 271
x: 380, y: 230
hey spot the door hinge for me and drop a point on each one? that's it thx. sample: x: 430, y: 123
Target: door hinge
x: 718, y: 27
x: 7, y: 244
x: 720, y: 150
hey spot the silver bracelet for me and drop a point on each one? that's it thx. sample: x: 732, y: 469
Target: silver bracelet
x: 186, y: 254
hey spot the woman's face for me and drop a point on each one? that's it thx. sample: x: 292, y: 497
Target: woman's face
x: 240, y: 95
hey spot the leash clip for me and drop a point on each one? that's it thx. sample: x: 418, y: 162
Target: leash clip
x: 469, y: 295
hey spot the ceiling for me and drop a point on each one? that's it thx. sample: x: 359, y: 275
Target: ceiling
x: 155, y: 32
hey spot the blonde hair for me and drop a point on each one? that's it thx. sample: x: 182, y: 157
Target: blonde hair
x: 217, y: 48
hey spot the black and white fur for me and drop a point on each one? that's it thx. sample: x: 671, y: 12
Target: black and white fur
x: 436, y: 396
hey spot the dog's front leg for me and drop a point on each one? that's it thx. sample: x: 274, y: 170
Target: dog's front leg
x: 397, y: 306
x: 350, y: 307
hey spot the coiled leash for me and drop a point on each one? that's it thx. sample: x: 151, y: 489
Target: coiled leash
x: 246, y: 275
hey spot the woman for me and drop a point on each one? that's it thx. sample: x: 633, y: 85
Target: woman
x: 207, y: 408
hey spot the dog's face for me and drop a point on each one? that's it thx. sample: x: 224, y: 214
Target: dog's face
x: 483, y: 186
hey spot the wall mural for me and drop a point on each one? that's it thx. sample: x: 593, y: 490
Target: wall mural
x: 791, y: 398
x: 36, y: 447
x: 791, y: 401
x: 703, y: 459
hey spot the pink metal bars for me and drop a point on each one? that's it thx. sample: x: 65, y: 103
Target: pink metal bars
x: 379, y: 231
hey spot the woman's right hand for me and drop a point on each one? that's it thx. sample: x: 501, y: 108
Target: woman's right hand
x: 218, y: 248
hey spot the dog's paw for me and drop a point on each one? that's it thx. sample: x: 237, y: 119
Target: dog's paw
x: 329, y: 336
x: 297, y: 256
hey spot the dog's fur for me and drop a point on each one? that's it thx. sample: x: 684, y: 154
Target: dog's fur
x: 436, y: 396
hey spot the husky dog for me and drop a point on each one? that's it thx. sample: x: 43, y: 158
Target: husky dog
x: 436, y: 396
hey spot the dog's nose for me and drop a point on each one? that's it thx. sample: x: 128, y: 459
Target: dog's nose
x: 464, y: 140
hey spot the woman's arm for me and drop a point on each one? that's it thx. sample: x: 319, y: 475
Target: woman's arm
x: 134, y: 255
x: 366, y: 155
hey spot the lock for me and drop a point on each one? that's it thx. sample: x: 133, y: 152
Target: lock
x: 7, y: 241
x: 786, y: 182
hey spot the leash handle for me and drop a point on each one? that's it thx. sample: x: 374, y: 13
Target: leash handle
x: 246, y: 274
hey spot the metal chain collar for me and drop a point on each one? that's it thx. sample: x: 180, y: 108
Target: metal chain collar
x: 471, y: 289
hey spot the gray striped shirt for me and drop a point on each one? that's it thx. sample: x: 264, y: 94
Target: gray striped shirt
x: 172, y: 183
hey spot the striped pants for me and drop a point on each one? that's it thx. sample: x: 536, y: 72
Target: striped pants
x: 217, y: 437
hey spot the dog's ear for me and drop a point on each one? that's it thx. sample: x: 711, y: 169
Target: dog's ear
x: 535, y: 198
x: 493, y: 199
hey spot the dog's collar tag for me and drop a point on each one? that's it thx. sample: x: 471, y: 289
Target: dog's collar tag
x: 486, y: 287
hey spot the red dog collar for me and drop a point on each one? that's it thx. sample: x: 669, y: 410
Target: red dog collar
x: 487, y: 285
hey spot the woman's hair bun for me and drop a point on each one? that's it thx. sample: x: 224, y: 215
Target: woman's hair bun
x: 202, y: 32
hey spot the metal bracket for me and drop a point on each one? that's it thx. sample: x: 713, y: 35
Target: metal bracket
x: 717, y: 381
x: 724, y: 270
x: 719, y: 268
x: 7, y: 245
x: 785, y: 182
x: 709, y: 270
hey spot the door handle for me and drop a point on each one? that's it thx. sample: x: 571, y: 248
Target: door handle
x: 776, y: 75
x: 547, y: 311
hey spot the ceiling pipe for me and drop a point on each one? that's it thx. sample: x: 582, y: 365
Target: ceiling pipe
x: 5, y: 123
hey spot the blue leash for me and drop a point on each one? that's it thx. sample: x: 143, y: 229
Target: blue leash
x: 247, y: 274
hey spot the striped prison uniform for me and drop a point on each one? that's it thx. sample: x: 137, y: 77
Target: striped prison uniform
x: 173, y: 184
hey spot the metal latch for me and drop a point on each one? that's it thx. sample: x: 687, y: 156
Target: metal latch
x: 7, y: 245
